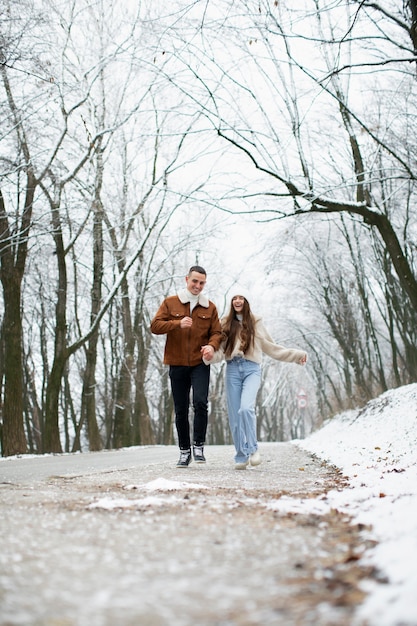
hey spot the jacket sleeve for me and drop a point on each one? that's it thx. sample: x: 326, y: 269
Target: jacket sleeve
x: 280, y: 353
x: 161, y: 323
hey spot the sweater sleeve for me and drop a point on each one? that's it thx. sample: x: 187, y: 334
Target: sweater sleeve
x: 275, y: 351
x: 218, y: 356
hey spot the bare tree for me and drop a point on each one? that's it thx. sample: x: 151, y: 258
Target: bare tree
x: 15, y: 224
x: 314, y: 100
x: 66, y: 156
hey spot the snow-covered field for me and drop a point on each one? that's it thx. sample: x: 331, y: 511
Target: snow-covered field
x: 376, y: 448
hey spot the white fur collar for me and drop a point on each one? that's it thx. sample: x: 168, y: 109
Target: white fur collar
x: 185, y: 296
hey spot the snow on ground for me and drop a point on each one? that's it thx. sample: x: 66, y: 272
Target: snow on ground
x: 376, y: 448
x: 159, y: 484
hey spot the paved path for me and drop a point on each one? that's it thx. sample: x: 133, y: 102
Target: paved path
x: 124, y: 538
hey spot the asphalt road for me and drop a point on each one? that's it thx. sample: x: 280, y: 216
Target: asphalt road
x: 124, y: 538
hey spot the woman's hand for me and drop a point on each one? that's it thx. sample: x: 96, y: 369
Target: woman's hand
x: 207, y: 352
x: 303, y: 360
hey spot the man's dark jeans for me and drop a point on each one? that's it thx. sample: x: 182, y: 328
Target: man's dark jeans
x: 183, y: 379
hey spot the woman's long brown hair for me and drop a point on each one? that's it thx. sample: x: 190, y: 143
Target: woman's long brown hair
x: 232, y: 328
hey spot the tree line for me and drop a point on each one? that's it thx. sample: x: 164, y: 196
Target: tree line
x: 132, y: 135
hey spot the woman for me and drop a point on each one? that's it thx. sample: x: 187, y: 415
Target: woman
x: 245, y: 338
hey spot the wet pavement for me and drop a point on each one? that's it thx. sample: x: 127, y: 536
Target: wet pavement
x: 124, y: 538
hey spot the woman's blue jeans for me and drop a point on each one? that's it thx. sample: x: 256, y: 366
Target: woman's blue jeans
x: 243, y: 379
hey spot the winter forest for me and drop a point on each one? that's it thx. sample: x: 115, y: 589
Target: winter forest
x: 271, y: 142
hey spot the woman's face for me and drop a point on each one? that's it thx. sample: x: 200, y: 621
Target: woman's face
x: 238, y: 302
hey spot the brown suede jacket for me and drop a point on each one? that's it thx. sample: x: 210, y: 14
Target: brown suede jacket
x: 183, y: 345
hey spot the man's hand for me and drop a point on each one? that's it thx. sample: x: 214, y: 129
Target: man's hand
x: 207, y: 352
x: 186, y: 322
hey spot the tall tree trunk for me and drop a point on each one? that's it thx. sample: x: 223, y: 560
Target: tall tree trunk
x: 166, y: 409
x: 13, y: 436
x: 34, y: 411
x: 13, y: 253
x: 142, y: 425
x: 88, y: 402
x: 123, y: 431
x: 51, y: 439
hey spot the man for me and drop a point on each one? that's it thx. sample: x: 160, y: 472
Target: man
x: 191, y: 324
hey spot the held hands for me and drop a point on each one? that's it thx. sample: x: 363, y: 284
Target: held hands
x: 186, y: 322
x: 207, y: 352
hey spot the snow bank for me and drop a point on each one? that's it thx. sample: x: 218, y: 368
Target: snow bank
x: 376, y: 448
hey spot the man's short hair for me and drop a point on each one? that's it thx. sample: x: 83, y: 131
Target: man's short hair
x: 198, y: 269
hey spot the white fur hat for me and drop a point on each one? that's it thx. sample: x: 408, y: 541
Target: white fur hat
x: 239, y: 290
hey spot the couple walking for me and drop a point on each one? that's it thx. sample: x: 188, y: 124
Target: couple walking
x: 195, y: 338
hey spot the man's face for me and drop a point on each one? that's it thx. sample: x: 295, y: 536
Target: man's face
x: 195, y: 282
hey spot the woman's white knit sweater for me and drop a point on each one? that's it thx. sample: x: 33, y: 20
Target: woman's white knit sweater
x: 263, y: 343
